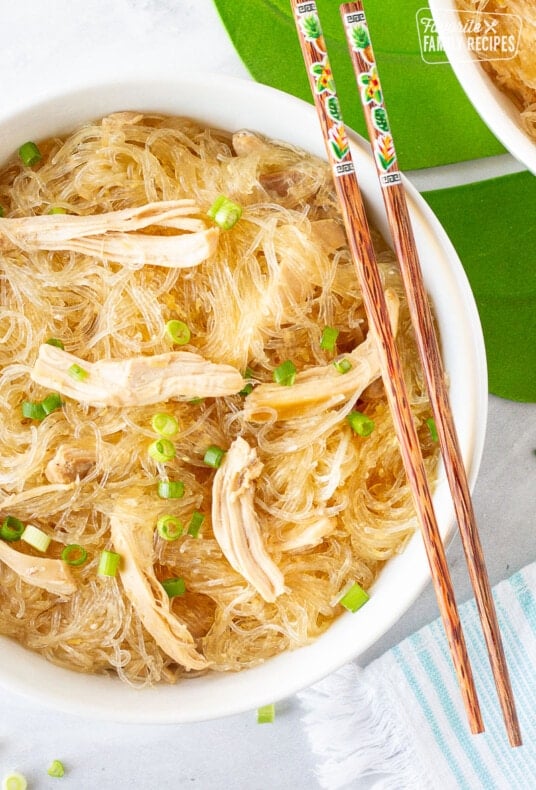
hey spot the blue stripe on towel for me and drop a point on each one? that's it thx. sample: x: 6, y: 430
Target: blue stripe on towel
x: 414, y: 685
x: 458, y: 727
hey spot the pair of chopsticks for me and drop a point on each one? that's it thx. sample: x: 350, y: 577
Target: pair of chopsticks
x: 338, y: 149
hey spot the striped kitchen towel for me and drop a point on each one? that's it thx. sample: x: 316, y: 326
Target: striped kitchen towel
x: 399, y: 724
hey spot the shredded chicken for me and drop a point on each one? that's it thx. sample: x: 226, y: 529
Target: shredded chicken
x: 12, y: 501
x: 49, y: 574
x: 329, y: 233
x: 308, y: 535
x: 111, y: 235
x: 138, y: 381
x: 70, y: 463
x: 322, y: 386
x: 132, y: 538
x: 235, y: 523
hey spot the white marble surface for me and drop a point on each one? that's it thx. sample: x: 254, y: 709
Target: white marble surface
x: 64, y: 43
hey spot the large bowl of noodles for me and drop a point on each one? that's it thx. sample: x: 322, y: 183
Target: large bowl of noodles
x: 491, y: 48
x: 309, y: 508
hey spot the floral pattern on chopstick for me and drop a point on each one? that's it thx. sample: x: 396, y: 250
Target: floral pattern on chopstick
x: 323, y: 86
x: 324, y: 76
x: 371, y: 91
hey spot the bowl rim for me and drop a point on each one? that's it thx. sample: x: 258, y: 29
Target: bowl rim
x: 216, y: 695
x: 494, y: 106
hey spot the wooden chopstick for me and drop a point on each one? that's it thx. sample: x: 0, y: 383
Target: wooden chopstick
x: 384, y: 154
x: 359, y: 239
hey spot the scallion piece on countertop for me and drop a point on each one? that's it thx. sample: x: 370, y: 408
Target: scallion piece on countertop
x: 432, y: 427
x: 360, y: 423
x: 56, y: 769
x: 225, y: 212
x: 266, y: 714
x: 29, y: 154
x: 214, y: 456
x: 57, y: 210
x: 162, y: 450
x: 165, y: 424
x: 178, y: 331
x: 195, y: 523
x: 74, y: 554
x: 174, y: 587
x: 33, y: 410
x: 285, y: 373
x: 108, y: 563
x: 169, y: 527
x: 36, y: 538
x: 329, y: 338
x: 170, y: 489
x: 54, y: 341
x: 11, y: 529
x: 342, y: 365
x: 354, y: 598
x: 14, y: 781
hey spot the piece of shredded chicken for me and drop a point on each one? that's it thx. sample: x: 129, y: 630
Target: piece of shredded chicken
x: 49, y: 574
x: 138, y: 381
x: 70, y: 463
x: 132, y: 538
x: 113, y: 235
x: 322, y: 386
x: 235, y: 523
x: 306, y: 536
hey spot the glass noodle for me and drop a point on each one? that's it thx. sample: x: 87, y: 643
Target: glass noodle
x: 265, y: 296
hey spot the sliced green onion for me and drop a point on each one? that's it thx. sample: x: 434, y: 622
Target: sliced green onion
x: 248, y: 375
x: 214, y: 456
x: 78, y: 373
x: 174, y: 587
x: 162, y: 450
x: 225, y: 212
x: 329, y: 338
x: 11, y: 529
x: 74, y: 555
x: 33, y: 410
x: 285, y: 374
x: 266, y: 714
x: 354, y: 598
x: 195, y: 523
x: 169, y: 527
x: 14, y: 781
x: 53, y: 341
x: 29, y: 154
x: 51, y: 402
x: 2, y: 212
x: 57, y: 210
x: 178, y: 331
x: 195, y: 401
x: 170, y: 489
x: 36, y: 538
x: 343, y: 365
x: 38, y: 410
x: 165, y: 424
x: 432, y: 428
x: 108, y: 563
x: 360, y: 423
x: 56, y: 769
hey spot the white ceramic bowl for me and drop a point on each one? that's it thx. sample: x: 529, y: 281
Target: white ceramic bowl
x: 494, y: 107
x: 236, y: 104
